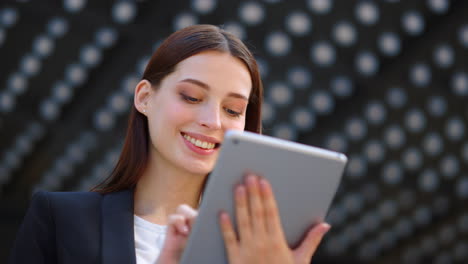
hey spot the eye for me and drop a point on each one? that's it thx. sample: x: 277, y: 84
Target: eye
x: 232, y: 112
x: 189, y: 98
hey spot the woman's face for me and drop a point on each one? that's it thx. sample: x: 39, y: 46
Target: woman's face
x: 193, y: 107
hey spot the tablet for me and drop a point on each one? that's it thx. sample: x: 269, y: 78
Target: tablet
x: 304, y: 180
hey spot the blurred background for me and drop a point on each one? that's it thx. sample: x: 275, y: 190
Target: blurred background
x: 385, y: 82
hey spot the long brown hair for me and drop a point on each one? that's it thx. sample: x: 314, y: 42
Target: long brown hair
x: 176, y: 48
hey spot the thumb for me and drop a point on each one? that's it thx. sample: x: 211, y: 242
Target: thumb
x: 304, y: 252
x: 176, y: 237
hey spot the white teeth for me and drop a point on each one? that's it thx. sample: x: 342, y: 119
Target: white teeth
x: 199, y: 143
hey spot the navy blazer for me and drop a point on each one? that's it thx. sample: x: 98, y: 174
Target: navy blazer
x: 77, y: 227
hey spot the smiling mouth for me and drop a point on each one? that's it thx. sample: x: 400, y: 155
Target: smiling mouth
x: 200, y: 143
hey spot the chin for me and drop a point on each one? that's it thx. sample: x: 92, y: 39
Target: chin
x: 201, y: 169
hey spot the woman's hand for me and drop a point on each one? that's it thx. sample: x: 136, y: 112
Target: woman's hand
x: 178, y: 230
x: 260, y: 237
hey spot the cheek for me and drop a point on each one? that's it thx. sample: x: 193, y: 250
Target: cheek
x: 235, y: 124
x: 177, y: 113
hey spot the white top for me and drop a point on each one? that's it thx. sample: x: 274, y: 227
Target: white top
x: 149, y: 239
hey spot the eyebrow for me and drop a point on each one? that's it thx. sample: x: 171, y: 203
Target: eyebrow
x: 207, y: 87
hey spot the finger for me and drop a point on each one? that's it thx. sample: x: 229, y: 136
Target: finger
x: 229, y: 236
x: 189, y: 213
x: 242, y: 213
x: 309, y: 245
x: 273, y: 220
x: 178, y: 223
x: 256, y: 211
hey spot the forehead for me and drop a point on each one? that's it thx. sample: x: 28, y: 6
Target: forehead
x: 220, y: 70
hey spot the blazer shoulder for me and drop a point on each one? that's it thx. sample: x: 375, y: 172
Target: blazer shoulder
x: 73, y: 198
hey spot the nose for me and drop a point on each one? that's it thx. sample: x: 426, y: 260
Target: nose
x: 210, y: 117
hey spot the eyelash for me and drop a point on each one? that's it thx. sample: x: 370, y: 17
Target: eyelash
x: 232, y: 113
x: 192, y: 100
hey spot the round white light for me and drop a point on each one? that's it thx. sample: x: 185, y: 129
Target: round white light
x: 278, y: 43
x: 389, y: 44
x: 336, y: 142
x: 323, y: 54
x: 413, y: 23
x: 7, y: 101
x: 375, y: 112
x: 303, y: 118
x: 356, y: 167
x: 298, y: 23
x: 73, y: 6
x: 449, y: 166
x: 388, y: 209
x: 415, y: 120
x: 280, y: 94
x: 17, y: 83
x: 43, y: 46
x: 285, y: 131
x: 299, y: 77
x: 438, y: 6
x: 367, y: 12
x: 463, y: 35
x: 394, y: 137
x: 57, y: 27
x: 459, y: 83
x: 433, y: 144
x: 420, y: 75
x: 30, y: 65
x: 367, y: 63
x: 236, y: 29
x: 124, y: 12
x: 62, y: 92
x: 455, y: 129
x: 342, y: 86
x: 75, y: 74
x: 251, y: 13
x: 322, y: 102
x: 412, y: 158
x: 49, y: 110
x: 184, y: 20
x: 444, y: 56
x: 90, y: 56
x: 428, y: 181
x: 356, y: 128
x: 8, y: 17
x: 344, y: 33
x: 320, y: 6
x: 396, y: 97
x: 119, y: 103
x: 374, y: 151
x: 268, y: 112
x: 437, y: 106
x: 106, y: 37
x: 104, y: 120
x: 392, y: 173
x: 204, y: 6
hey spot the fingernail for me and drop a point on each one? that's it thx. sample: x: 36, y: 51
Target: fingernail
x: 325, y: 228
x: 240, y: 190
x: 263, y: 182
x: 185, y: 229
x: 251, y: 179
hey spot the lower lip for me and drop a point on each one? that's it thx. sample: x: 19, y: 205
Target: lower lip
x: 197, y: 149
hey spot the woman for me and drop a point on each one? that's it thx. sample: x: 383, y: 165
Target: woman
x: 200, y: 82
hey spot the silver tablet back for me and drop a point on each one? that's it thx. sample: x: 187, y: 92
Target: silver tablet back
x: 304, y: 181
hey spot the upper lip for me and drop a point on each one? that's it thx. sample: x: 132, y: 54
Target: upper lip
x: 202, y: 137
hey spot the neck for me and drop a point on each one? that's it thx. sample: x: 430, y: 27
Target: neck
x: 162, y: 188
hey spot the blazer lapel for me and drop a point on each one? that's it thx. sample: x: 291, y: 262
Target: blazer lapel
x: 118, y: 242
